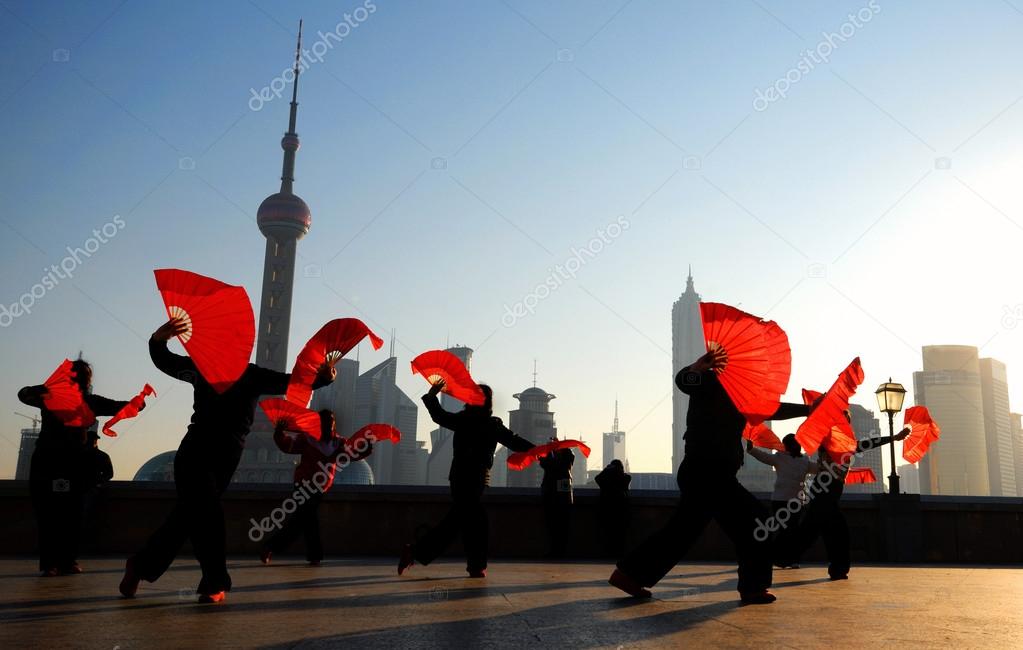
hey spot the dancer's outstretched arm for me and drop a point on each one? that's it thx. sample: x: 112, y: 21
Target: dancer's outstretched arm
x: 873, y: 443
x: 443, y: 418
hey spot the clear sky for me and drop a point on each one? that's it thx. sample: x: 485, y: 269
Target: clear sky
x: 454, y: 153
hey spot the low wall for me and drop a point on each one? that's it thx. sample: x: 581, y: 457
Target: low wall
x: 378, y: 520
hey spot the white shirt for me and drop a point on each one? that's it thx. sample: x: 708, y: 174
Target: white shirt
x: 790, y: 472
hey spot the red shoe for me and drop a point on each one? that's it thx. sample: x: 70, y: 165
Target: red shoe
x: 130, y: 581
x: 49, y: 573
x: 265, y: 556
x: 72, y: 570
x: 478, y: 573
x: 763, y: 597
x: 624, y: 582
x: 213, y: 598
x: 406, y: 560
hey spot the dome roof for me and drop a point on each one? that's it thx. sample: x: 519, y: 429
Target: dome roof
x: 283, y: 216
x: 534, y: 393
x: 357, y: 473
x: 158, y: 468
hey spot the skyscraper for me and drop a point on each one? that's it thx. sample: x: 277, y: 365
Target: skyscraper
x: 614, y: 443
x: 687, y: 345
x: 25, y: 451
x: 1016, y: 425
x: 909, y: 479
x: 534, y: 421
x: 339, y: 396
x: 439, y: 463
x: 754, y: 475
x: 379, y: 400
x: 1001, y: 462
x: 865, y: 425
x: 949, y: 386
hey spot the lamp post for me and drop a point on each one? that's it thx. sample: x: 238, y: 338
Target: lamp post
x: 890, y: 396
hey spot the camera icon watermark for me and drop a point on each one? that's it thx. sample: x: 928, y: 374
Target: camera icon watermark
x: 943, y: 163
x: 186, y: 163
x: 439, y: 163
x: 438, y: 594
x: 61, y: 55
x: 185, y: 593
x: 312, y: 271
x: 1012, y: 316
x: 692, y: 163
x: 691, y: 379
x: 817, y: 270
x: 564, y: 55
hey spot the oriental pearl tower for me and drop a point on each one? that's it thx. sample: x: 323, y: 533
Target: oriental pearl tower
x: 283, y: 219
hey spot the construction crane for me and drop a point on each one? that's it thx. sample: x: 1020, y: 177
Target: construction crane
x: 34, y: 418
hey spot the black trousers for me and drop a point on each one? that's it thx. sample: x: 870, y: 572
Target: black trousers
x: 557, y: 513
x: 823, y: 518
x: 614, y: 524
x: 201, y: 474
x: 57, y: 501
x: 466, y: 516
x: 304, y: 521
x: 705, y: 496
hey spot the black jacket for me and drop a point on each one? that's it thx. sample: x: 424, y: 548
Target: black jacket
x: 222, y: 418
x: 54, y: 435
x: 475, y: 439
x: 714, y: 426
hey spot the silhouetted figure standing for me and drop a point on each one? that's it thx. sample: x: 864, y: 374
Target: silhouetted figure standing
x: 615, y: 512
x: 101, y: 470
x: 203, y: 466
x: 477, y: 432
x: 708, y: 490
x: 823, y: 516
x: 556, y: 491
x: 59, y: 476
x: 791, y: 468
x: 318, y: 457
x: 98, y: 471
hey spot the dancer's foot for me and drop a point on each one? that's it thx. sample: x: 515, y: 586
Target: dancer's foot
x: 478, y: 573
x: 72, y: 570
x: 762, y: 597
x: 213, y: 598
x: 265, y: 556
x: 406, y: 560
x: 314, y: 563
x: 49, y: 573
x: 624, y: 582
x: 838, y: 576
x: 130, y: 582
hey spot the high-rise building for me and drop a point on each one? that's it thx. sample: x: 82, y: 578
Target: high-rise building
x: 283, y: 218
x: 1016, y: 425
x: 439, y: 462
x: 653, y: 481
x: 865, y: 425
x: 1001, y: 462
x: 755, y: 476
x: 580, y: 467
x: 687, y: 346
x: 534, y: 421
x: 339, y: 396
x: 499, y: 473
x: 949, y: 386
x: 28, y: 446
x: 909, y: 479
x: 614, y: 444
x: 379, y: 400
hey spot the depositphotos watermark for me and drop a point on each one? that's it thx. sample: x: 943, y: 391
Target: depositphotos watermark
x: 348, y: 23
x: 820, y: 54
x: 303, y: 492
x: 64, y: 270
x: 565, y: 271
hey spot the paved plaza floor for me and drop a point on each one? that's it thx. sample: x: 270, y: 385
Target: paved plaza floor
x: 362, y: 603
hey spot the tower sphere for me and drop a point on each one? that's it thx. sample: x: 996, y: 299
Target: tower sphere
x: 284, y: 216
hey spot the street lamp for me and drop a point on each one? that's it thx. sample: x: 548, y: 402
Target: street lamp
x: 890, y: 396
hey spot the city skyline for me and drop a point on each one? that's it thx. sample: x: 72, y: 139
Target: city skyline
x: 420, y: 227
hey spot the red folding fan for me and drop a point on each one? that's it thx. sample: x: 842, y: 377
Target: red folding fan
x: 292, y: 416
x: 762, y: 436
x: 759, y: 359
x: 64, y: 398
x: 923, y: 431
x: 328, y: 345
x: 221, y: 326
x: 830, y: 412
x: 523, y: 459
x: 130, y: 410
x: 860, y: 475
x: 371, y: 434
x: 441, y: 364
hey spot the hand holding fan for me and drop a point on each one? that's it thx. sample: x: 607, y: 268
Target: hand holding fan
x: 442, y: 365
x: 762, y: 436
x: 923, y: 431
x: 64, y: 398
x: 221, y: 327
x: 292, y: 417
x: 830, y: 412
x: 371, y: 434
x: 327, y: 346
x: 130, y: 410
x: 759, y: 360
x: 522, y: 459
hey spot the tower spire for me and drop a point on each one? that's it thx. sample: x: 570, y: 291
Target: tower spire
x: 534, y: 373
x: 392, y: 341
x: 290, y: 142
x: 689, y: 280
x: 615, y: 429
